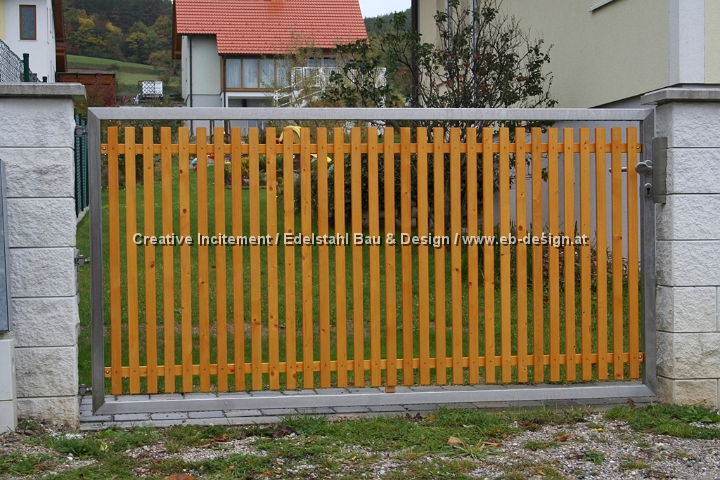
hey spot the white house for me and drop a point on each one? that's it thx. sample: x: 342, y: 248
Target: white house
x: 235, y: 52
x: 35, y: 27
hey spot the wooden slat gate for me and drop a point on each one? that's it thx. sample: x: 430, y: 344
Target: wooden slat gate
x: 405, y: 256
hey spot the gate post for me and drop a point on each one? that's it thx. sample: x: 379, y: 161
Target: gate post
x: 36, y: 145
x: 688, y: 244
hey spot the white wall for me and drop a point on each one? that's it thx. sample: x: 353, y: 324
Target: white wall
x: 200, y: 56
x: 41, y: 50
x: 38, y: 154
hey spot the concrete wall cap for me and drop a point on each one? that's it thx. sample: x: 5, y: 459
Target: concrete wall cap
x: 688, y: 93
x: 75, y: 90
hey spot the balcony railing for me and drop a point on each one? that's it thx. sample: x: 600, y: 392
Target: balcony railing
x: 304, y: 77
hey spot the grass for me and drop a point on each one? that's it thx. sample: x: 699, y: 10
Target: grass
x: 127, y: 74
x: 674, y: 420
x: 314, y: 446
x: 405, y: 319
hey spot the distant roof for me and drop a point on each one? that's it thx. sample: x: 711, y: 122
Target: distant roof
x: 270, y: 26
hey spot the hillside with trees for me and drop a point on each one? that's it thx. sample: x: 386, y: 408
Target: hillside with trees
x: 138, y: 31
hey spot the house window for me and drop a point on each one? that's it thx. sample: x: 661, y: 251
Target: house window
x: 256, y: 74
x: 28, y: 26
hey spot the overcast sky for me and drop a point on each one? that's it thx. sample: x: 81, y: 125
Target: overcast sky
x: 373, y: 8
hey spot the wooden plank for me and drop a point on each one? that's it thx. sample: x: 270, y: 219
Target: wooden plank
x: 114, y: 262
x: 601, y: 252
x: 149, y: 260
x: 569, y: 252
x: 323, y: 258
x: 585, y: 255
x: 456, y: 310
x: 439, y: 254
x: 185, y: 261
x: 237, y: 259
x: 553, y: 253
x: 220, y: 263
x: 357, y: 257
x: 505, y: 293
x: 255, y: 268
x: 521, y: 254
x: 307, y: 255
x: 203, y: 258
x: 633, y: 260
x: 423, y: 257
x: 289, y: 251
x: 537, y: 257
x: 617, y: 253
x: 390, y: 293
x: 406, y: 256
x: 488, y: 255
x: 168, y: 259
x: 273, y: 286
x: 340, y: 269
x: 374, y: 231
x: 131, y: 259
x: 473, y: 261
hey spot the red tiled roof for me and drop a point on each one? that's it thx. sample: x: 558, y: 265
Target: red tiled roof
x: 271, y: 26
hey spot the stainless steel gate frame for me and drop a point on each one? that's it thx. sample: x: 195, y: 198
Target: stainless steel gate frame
x: 647, y: 388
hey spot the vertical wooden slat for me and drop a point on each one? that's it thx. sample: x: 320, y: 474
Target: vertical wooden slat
x: 185, y: 262
x: 220, y: 262
x: 601, y: 251
x: 569, y: 252
x: 289, y: 251
x: 237, y: 259
x: 390, y: 294
x: 423, y: 257
x: 306, y: 252
x: 473, y: 265
x: 488, y: 254
x: 131, y: 259
x: 617, y: 252
x: 203, y: 265
x: 374, y: 230
x: 114, y: 262
x: 323, y: 258
x: 150, y: 270
x: 505, y: 293
x: 273, y: 286
x: 340, y: 270
x: 255, y: 288
x: 456, y: 257
x: 439, y: 254
x: 585, y: 256
x: 633, y: 261
x: 168, y: 259
x: 357, y: 258
x: 406, y: 256
x: 537, y: 257
x: 521, y: 254
x: 554, y: 253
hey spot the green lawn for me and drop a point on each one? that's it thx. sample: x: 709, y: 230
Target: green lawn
x: 127, y: 74
x: 83, y: 245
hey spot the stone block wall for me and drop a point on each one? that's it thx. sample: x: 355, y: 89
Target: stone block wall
x: 688, y: 246
x: 36, y: 144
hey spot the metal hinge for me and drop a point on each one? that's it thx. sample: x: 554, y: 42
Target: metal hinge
x: 80, y: 131
x: 80, y: 260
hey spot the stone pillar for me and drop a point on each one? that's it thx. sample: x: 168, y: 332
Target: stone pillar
x: 688, y: 246
x: 36, y: 144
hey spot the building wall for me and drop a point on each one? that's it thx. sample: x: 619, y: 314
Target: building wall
x: 41, y: 50
x: 619, y: 51
x: 712, y: 41
x: 2, y: 20
x: 206, y: 68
